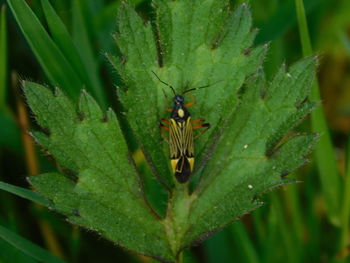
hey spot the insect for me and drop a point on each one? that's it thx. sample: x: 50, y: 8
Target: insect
x: 180, y: 127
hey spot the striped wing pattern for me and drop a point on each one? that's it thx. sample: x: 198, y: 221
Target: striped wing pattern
x: 181, y: 147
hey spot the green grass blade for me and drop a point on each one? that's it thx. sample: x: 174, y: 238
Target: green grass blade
x: 270, y: 237
x: 259, y: 227
x: 344, y: 238
x: 84, y: 45
x: 303, y: 28
x: 3, y: 57
x: 28, y: 247
x: 218, y: 248
x: 62, y: 39
x: 25, y: 193
x: 282, y: 20
x: 244, y: 243
x: 346, y: 203
x: 278, y: 233
x: 12, y: 254
x: 68, y: 48
x: 292, y: 201
x: 53, y: 62
x: 324, y: 152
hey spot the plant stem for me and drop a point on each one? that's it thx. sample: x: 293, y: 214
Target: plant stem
x: 178, y: 209
x: 324, y: 152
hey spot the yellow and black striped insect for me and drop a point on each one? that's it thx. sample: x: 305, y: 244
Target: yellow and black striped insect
x: 180, y: 127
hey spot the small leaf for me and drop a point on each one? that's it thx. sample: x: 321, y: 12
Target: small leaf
x: 102, y: 191
x: 28, y: 247
x: 256, y: 159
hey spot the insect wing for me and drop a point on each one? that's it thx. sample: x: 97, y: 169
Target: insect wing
x: 181, y: 148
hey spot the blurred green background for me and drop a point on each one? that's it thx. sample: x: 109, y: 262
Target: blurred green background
x: 306, y: 222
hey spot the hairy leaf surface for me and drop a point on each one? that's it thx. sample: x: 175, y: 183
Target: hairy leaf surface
x: 102, y: 191
x: 200, y: 43
x: 249, y: 149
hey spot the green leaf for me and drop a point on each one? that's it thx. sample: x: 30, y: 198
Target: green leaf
x: 25, y: 193
x: 196, y: 51
x: 140, y: 47
x: 257, y: 155
x: 82, y: 42
x: 63, y: 40
x: 77, y: 52
x: 28, y: 247
x: 324, y: 153
x: 50, y: 57
x: 103, y: 192
x: 248, y: 151
x: 11, y: 254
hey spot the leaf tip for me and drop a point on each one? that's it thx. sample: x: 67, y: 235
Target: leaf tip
x: 317, y: 59
x: 245, y: 5
x: 83, y: 93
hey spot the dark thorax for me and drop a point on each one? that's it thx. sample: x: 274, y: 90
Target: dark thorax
x: 180, y: 112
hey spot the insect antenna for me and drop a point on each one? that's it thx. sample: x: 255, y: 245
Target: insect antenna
x: 202, y: 87
x: 164, y: 82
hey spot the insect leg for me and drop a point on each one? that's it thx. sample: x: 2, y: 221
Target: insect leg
x: 190, y: 104
x: 197, y: 121
x: 193, y: 101
x: 206, y: 126
x: 165, y: 121
x: 163, y: 128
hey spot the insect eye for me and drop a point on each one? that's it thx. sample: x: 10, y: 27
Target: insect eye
x: 179, y: 99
